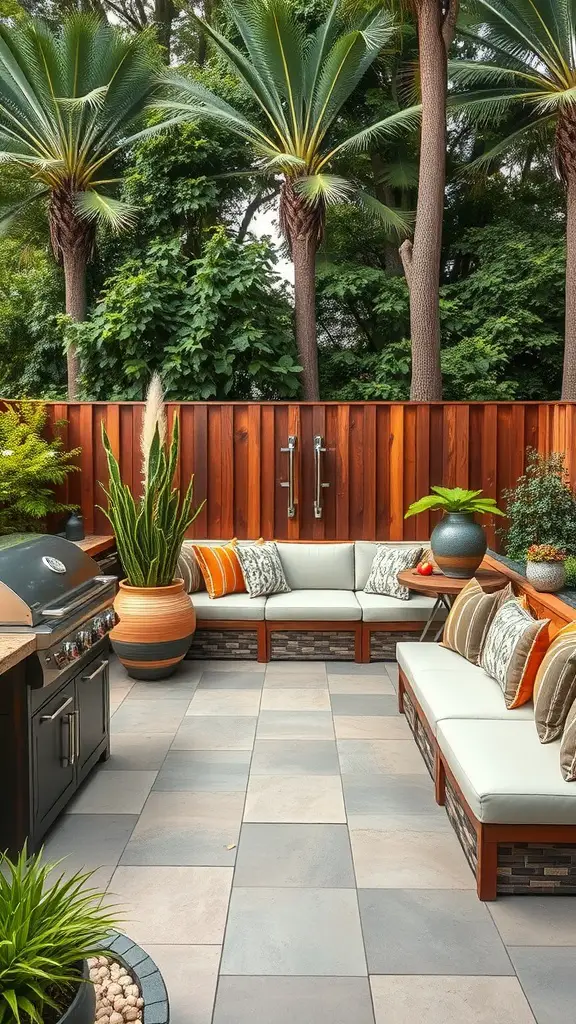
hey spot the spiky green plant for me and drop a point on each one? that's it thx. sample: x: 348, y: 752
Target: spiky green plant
x: 71, y: 99
x: 454, y: 499
x: 150, y: 531
x: 47, y: 930
x: 299, y: 86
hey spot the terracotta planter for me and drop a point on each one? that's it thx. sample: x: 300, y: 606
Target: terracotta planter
x: 155, y: 628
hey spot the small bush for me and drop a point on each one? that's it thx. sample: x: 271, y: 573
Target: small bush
x: 541, y: 508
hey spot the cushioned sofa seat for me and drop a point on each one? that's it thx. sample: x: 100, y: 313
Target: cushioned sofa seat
x: 322, y: 605
x: 377, y: 608
x: 233, y: 606
x: 505, y: 774
x: 460, y: 691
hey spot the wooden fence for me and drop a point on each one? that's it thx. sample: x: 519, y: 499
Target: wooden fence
x: 379, y: 457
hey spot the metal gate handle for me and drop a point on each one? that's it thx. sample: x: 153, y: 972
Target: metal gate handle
x: 292, y: 439
x: 319, y: 449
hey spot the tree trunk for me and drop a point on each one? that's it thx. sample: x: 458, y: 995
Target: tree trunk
x: 207, y: 15
x: 75, y: 281
x: 422, y: 258
x: 304, y: 259
x: 569, y: 372
x: 164, y: 14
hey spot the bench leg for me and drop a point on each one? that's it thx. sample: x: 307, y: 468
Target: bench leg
x: 263, y: 653
x: 487, y: 870
x: 400, y: 693
x: 439, y: 780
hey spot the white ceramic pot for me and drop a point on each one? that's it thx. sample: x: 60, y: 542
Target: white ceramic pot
x: 546, y: 576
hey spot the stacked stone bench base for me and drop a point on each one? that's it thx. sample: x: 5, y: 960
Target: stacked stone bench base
x: 532, y: 860
x: 300, y: 640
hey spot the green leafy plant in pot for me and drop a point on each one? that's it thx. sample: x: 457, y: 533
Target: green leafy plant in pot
x: 458, y: 542
x: 47, y: 933
x: 545, y: 567
x: 156, y: 618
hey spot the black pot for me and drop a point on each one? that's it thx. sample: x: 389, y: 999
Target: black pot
x: 82, y: 1009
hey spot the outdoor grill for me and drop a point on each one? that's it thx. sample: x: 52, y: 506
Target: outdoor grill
x: 49, y: 587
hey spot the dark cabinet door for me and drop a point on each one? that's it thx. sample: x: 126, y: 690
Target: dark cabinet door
x: 92, y: 700
x: 53, y: 754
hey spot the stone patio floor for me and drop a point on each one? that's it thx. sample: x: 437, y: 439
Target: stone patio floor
x: 271, y: 835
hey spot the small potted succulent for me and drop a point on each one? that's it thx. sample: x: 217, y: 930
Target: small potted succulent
x: 545, y: 567
x: 458, y: 542
x: 48, y: 930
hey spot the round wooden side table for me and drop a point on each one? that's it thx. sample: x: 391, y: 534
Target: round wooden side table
x: 445, y: 589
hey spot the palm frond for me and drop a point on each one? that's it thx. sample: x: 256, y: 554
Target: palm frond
x: 398, y: 222
x: 94, y: 206
x: 328, y: 188
x: 400, y: 122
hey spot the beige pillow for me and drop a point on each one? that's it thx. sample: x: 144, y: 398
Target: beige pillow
x: 513, y: 650
x: 470, y: 617
x: 568, y: 747
x: 386, y: 564
x: 555, y: 685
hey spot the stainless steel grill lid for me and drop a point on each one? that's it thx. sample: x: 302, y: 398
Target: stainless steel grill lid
x: 40, y: 573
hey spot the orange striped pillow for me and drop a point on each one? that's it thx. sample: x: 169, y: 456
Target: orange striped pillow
x: 220, y: 568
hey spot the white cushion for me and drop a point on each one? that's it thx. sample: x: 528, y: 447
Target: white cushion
x: 232, y: 606
x: 318, y: 566
x: 364, y: 551
x: 506, y: 775
x: 379, y: 608
x: 314, y: 604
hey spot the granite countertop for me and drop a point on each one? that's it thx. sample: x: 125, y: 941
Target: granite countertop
x: 14, y: 647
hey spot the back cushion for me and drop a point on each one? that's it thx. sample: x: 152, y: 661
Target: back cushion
x: 364, y: 556
x: 318, y: 566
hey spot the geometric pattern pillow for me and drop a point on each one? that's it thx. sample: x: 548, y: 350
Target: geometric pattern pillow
x: 220, y: 568
x: 513, y: 650
x: 469, y: 618
x: 568, y: 747
x: 262, y: 569
x: 188, y: 569
x: 386, y: 564
x: 555, y: 686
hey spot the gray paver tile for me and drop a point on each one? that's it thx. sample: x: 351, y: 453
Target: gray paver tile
x: 284, y: 698
x: 390, y: 757
x: 181, y: 905
x: 294, y: 855
x: 225, y: 702
x: 113, y: 792
x: 295, y: 674
x: 293, y: 1001
x: 187, y: 829
x: 430, y: 931
x: 149, y: 715
x: 405, y: 999
x: 538, y: 921
x: 204, y: 771
x: 190, y: 974
x: 173, y: 688
x: 295, y: 757
x: 364, y: 704
x: 88, y: 840
x: 293, y: 931
x: 354, y: 668
x: 310, y: 799
x: 548, y: 978
x: 137, y: 751
x: 361, y: 684
x: 409, y: 860
x: 210, y: 732
x: 231, y: 680
x: 393, y: 795
x: 371, y: 727
x: 296, y: 725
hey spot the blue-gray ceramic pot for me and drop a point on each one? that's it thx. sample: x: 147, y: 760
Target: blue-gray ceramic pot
x: 458, y: 544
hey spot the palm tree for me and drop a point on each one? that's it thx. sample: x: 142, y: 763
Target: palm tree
x: 530, y: 70
x: 436, y: 20
x: 299, y: 85
x: 69, y: 99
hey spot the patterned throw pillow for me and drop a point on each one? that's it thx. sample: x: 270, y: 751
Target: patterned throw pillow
x: 555, y: 686
x: 470, y: 617
x: 387, y: 563
x: 188, y: 569
x: 262, y: 568
x: 220, y: 568
x: 514, y: 647
x: 568, y: 747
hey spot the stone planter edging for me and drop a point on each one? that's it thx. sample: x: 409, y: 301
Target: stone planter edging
x: 156, y: 1006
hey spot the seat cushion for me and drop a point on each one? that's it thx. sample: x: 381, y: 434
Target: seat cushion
x: 378, y: 608
x: 232, y: 606
x: 506, y: 775
x: 318, y: 566
x: 322, y: 605
x: 364, y: 551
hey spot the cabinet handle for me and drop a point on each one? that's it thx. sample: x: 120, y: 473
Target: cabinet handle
x: 101, y: 667
x: 292, y: 439
x: 51, y: 718
x: 74, y: 735
x: 319, y: 449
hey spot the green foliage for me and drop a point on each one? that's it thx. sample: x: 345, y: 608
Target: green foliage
x: 30, y: 468
x: 541, y: 508
x: 149, y: 531
x: 47, y: 929
x: 215, y: 327
x: 454, y: 499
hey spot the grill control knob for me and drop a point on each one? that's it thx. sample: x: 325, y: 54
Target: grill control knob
x: 84, y: 639
x: 98, y: 628
x: 110, y: 618
x: 71, y: 650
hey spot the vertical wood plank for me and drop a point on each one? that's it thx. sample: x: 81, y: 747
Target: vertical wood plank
x: 240, y: 470
x: 293, y: 528
x: 490, y: 464
x: 357, y: 476
x: 87, y: 465
x: 214, y: 520
x: 254, y: 470
x: 319, y: 428
x: 422, y: 467
x: 343, y: 472
x: 383, y: 472
x: 396, y: 472
x: 268, y: 471
x: 369, y: 471
x: 199, y: 442
x: 410, y: 526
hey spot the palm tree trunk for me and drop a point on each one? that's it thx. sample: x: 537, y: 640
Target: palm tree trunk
x: 422, y: 258
x: 75, y: 263
x: 569, y: 372
x: 304, y: 260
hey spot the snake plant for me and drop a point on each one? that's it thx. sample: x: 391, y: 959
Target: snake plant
x: 149, y: 531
